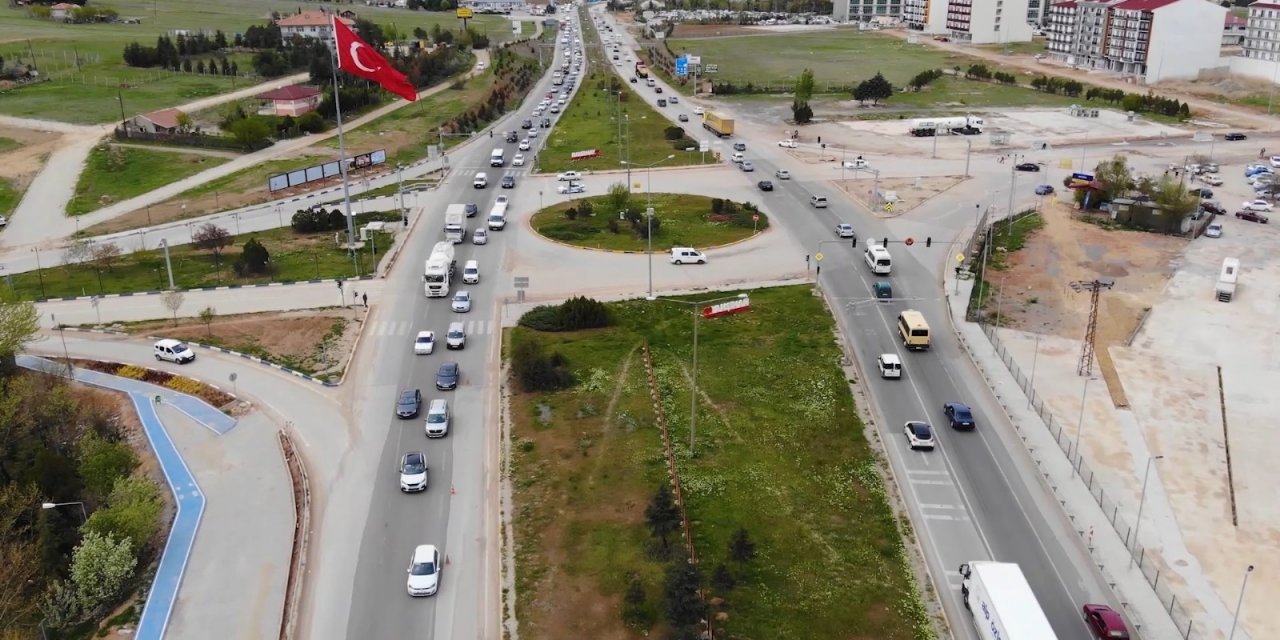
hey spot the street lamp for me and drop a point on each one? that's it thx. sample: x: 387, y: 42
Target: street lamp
x: 693, y: 390
x: 648, y: 213
x: 39, y: 272
x: 54, y: 505
x: 1142, y: 502
x: 1240, y: 602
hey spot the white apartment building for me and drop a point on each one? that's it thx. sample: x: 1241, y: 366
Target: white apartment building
x: 866, y: 10
x: 1152, y: 40
x: 1260, y: 58
x: 309, y: 24
x: 976, y: 21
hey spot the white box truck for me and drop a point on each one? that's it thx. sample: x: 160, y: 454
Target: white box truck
x: 438, y: 273
x: 1228, y: 279
x: 455, y: 227
x: 1002, y: 603
x: 498, y: 216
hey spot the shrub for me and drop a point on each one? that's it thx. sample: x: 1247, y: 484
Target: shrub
x: 538, y: 371
x: 673, y: 133
x: 717, y: 206
x: 543, y: 317
x: 253, y: 259
x: 574, y: 314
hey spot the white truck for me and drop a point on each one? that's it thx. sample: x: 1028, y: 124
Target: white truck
x: 498, y: 217
x: 1228, y: 278
x: 438, y: 273
x: 965, y: 125
x: 1002, y: 603
x: 455, y: 226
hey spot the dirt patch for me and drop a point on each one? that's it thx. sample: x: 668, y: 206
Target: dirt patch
x: 22, y: 163
x: 1034, y: 293
x: 316, y: 341
x: 902, y: 194
x: 1233, y: 88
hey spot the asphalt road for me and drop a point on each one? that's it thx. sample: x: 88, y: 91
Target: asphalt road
x: 451, y: 514
x: 968, y: 498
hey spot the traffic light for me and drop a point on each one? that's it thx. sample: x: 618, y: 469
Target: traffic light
x: 854, y: 243
x: 886, y: 242
x: 339, y: 283
x: 928, y: 242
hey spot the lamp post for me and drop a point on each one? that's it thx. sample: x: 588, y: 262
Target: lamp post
x: 1142, y: 502
x: 55, y: 505
x: 1240, y: 602
x: 65, y: 352
x: 1079, y: 427
x: 693, y: 390
x: 648, y: 212
x: 39, y: 272
x: 400, y: 170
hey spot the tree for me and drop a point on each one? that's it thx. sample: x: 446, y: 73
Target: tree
x: 804, y: 86
x: 185, y: 125
x: 250, y: 132
x: 877, y: 88
x: 662, y: 515
x: 722, y: 579
x: 132, y: 512
x: 684, y: 606
x: 1173, y: 198
x: 20, y: 577
x: 741, y: 548
x: 105, y: 255
x: 78, y: 252
x: 60, y: 605
x: 206, y: 316
x: 211, y: 237
x: 801, y: 112
x: 100, y: 566
x: 617, y: 199
x: 635, y: 610
x: 172, y: 300
x: 102, y: 463
x: 254, y: 258
x: 1115, y: 176
x: 19, y: 327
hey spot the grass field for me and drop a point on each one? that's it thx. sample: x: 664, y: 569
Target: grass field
x: 684, y: 221
x: 8, y: 144
x: 9, y: 197
x: 113, y: 174
x: 1010, y: 237
x: 85, y: 64
x: 1036, y: 45
x: 785, y: 459
x: 294, y: 256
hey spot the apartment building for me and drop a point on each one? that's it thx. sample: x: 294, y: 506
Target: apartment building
x: 976, y: 21
x: 866, y: 10
x: 310, y: 24
x: 1260, y: 54
x: 1151, y: 40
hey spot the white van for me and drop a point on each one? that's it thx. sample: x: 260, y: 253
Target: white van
x: 877, y: 258
x: 497, y: 158
x: 481, y: 181
x: 890, y: 365
x: 173, y: 351
x: 456, y: 338
x: 650, y: 82
x: 681, y: 255
x: 471, y: 272
x: 818, y: 202
x: 438, y: 419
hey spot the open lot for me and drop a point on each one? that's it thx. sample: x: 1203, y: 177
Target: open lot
x: 683, y: 221
x: 113, y: 173
x: 88, y: 74
x: 829, y: 556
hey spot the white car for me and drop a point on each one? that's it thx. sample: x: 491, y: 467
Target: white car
x: 1275, y: 161
x: 1211, y: 179
x: 788, y: 143
x: 844, y: 230
x: 461, y: 302
x: 919, y: 435
x: 782, y: 174
x: 569, y: 176
x: 480, y: 236
x: 424, y: 571
x: 698, y: 111
x: 4, y: 221
x: 425, y: 343
x: 572, y: 187
x: 1257, y: 205
x: 524, y: 145
x: 518, y: 160
x: 857, y: 163
x: 413, y: 472
x: 1214, y: 230
x: 533, y: 133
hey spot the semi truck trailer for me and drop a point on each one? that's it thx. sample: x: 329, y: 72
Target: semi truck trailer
x: 964, y: 125
x: 437, y: 275
x: 722, y: 127
x: 1002, y: 603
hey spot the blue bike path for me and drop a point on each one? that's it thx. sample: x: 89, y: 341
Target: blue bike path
x: 190, y: 500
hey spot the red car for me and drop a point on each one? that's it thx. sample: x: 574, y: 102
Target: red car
x: 1251, y: 216
x: 1105, y: 623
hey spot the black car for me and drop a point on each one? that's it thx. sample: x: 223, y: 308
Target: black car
x: 508, y: 182
x: 765, y: 185
x: 1232, y: 137
x: 447, y: 376
x: 1213, y: 207
x: 661, y: 102
x: 472, y: 209
x: 633, y: 81
x: 960, y: 415
x: 527, y: 124
x: 739, y: 146
x: 409, y: 403
x: 1202, y: 192
x: 512, y: 136
x: 1028, y: 166
x: 546, y: 123
x: 657, y: 89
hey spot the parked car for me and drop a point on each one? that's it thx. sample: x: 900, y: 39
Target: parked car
x: 1213, y: 207
x: 919, y: 435
x: 1044, y: 190
x: 1211, y: 179
x: 568, y: 175
x: 1202, y: 192
x: 1104, y: 623
x: 765, y: 185
x: 1235, y: 136
x: 409, y: 403
x: 959, y: 414
x: 1214, y: 230
x: 4, y: 221
x: 845, y: 230
x: 1257, y: 205
x: 1251, y: 216
x: 1027, y: 166
x: 424, y: 343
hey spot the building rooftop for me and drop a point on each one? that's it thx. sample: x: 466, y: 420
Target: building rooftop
x: 1263, y: 4
x: 1070, y: 4
x: 311, y: 19
x: 164, y: 118
x: 1142, y: 5
x: 291, y: 92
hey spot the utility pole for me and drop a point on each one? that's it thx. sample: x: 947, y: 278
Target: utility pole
x: 1013, y: 180
x: 1094, y: 287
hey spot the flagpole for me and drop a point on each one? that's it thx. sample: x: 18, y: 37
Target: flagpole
x: 342, y: 151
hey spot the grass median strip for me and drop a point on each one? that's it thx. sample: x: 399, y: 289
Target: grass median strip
x: 680, y: 220
x: 9, y: 197
x: 780, y: 454
x: 114, y: 173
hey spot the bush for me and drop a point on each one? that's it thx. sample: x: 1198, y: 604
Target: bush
x: 574, y: 314
x: 253, y: 259
x: 536, y: 370
x: 541, y: 318
x: 673, y: 133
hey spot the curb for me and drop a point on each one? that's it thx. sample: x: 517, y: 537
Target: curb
x: 256, y: 359
x: 130, y: 294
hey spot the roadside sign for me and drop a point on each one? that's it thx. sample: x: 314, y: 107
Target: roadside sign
x: 710, y: 68
x: 693, y: 59
x: 521, y: 282
x: 909, y: 241
x: 755, y: 217
x: 682, y: 66
x: 959, y: 257
x: 465, y: 13
x: 888, y: 206
x: 704, y: 146
x: 818, y: 256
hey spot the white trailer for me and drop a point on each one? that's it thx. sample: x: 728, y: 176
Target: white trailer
x: 455, y: 227
x: 1002, y: 603
x: 965, y: 125
x: 498, y: 216
x: 1228, y: 279
x: 456, y: 208
x: 438, y: 273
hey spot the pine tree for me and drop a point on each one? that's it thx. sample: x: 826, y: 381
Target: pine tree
x: 662, y: 515
x: 684, y: 607
x: 741, y: 548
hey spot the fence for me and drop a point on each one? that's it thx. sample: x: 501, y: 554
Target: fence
x: 1150, y: 567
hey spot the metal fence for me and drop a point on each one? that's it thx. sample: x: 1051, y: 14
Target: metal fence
x: 1148, y: 563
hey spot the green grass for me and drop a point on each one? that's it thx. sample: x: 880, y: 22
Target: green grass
x: 8, y: 144
x: 295, y: 256
x: 685, y: 221
x: 113, y: 174
x: 830, y: 557
x: 1036, y: 45
x: 86, y: 92
x: 1011, y: 236
x: 254, y: 177
x: 9, y: 197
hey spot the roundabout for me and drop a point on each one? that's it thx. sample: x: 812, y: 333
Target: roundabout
x: 616, y: 221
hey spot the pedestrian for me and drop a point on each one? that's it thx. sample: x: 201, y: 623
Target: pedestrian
x: 1262, y: 154
x: 365, y: 298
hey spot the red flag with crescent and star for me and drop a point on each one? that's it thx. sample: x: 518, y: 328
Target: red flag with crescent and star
x: 356, y: 57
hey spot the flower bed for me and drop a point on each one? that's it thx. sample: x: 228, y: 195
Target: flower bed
x: 181, y: 384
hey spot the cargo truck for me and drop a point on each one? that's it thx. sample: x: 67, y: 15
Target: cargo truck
x: 1227, y: 279
x: 455, y: 227
x: 1002, y: 603
x: 964, y: 125
x: 642, y: 71
x: 437, y: 275
x: 722, y: 127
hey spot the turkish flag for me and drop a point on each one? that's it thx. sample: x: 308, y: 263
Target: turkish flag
x: 355, y: 56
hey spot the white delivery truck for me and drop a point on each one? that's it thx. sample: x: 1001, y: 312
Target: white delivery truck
x: 1002, y: 603
x: 497, y: 158
x: 498, y: 216
x: 456, y: 208
x: 455, y: 227
x: 438, y: 273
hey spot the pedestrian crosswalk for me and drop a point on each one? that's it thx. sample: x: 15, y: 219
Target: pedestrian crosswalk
x: 495, y: 173
x: 393, y: 328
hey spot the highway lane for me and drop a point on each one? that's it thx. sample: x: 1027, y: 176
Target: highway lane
x: 453, y: 513
x: 971, y: 497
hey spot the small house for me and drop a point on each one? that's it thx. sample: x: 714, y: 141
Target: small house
x: 64, y: 11
x: 293, y: 100
x: 164, y: 121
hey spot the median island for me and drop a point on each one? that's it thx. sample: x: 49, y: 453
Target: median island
x: 616, y: 221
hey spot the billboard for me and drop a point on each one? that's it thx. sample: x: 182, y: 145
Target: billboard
x: 465, y: 13
x: 682, y: 66
x: 319, y: 172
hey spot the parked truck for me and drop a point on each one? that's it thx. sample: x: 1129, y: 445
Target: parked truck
x: 1002, y: 603
x: 722, y: 127
x: 1228, y: 278
x: 964, y: 125
x: 455, y: 227
x: 438, y: 273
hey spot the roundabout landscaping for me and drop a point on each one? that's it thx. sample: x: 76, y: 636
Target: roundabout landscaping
x: 680, y: 220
